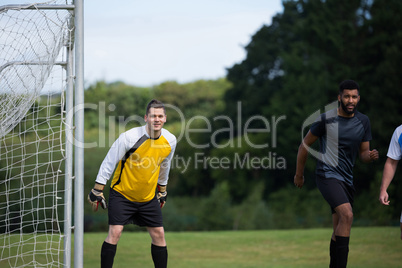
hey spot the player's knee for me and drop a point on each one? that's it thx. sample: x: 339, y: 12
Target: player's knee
x: 157, y: 235
x: 114, y: 235
x: 347, y: 217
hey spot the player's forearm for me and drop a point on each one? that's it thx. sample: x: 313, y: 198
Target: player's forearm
x: 104, y: 174
x: 302, y: 154
x: 165, y: 169
x: 163, y: 176
x: 385, y: 182
x: 388, y: 173
x: 365, y: 157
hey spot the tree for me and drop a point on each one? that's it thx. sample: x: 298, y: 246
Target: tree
x: 293, y: 68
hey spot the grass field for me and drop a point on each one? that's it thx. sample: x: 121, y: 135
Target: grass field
x: 378, y: 247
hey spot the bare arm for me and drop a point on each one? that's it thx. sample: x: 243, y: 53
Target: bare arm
x: 366, y: 155
x: 387, y: 176
x: 302, y: 154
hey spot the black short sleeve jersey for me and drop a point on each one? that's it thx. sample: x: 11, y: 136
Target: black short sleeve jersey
x: 340, y: 139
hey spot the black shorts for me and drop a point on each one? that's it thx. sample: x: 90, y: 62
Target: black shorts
x: 122, y: 211
x: 335, y: 192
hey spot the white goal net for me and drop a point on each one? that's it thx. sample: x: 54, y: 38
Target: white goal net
x: 33, y: 48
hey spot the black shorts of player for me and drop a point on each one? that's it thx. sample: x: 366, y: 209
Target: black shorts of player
x: 335, y: 192
x: 122, y: 211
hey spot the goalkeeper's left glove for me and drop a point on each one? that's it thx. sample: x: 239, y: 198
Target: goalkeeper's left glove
x: 161, y: 195
x: 95, y: 197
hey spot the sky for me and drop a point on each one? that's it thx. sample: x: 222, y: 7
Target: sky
x: 147, y: 42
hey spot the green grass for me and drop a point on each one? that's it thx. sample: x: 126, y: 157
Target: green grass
x: 369, y: 247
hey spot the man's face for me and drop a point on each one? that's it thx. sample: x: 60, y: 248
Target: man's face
x: 349, y: 100
x: 155, y: 119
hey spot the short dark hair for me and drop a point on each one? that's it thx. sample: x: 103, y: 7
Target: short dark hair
x: 348, y: 84
x: 155, y: 104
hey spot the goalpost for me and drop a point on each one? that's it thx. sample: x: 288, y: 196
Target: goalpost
x: 41, y: 129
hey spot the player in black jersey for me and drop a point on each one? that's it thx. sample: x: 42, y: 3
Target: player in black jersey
x: 343, y: 134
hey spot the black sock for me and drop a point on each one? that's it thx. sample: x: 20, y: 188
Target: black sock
x: 342, y: 251
x: 159, y: 256
x: 107, y: 255
x: 332, y: 254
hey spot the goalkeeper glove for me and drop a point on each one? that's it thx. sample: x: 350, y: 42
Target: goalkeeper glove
x: 95, y: 197
x: 161, y: 195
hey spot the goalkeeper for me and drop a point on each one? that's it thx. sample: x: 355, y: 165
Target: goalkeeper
x: 138, y: 188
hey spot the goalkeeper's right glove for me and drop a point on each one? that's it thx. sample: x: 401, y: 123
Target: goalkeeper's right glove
x: 162, y: 195
x: 95, y: 197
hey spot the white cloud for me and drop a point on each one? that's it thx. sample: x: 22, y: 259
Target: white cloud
x: 146, y: 43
